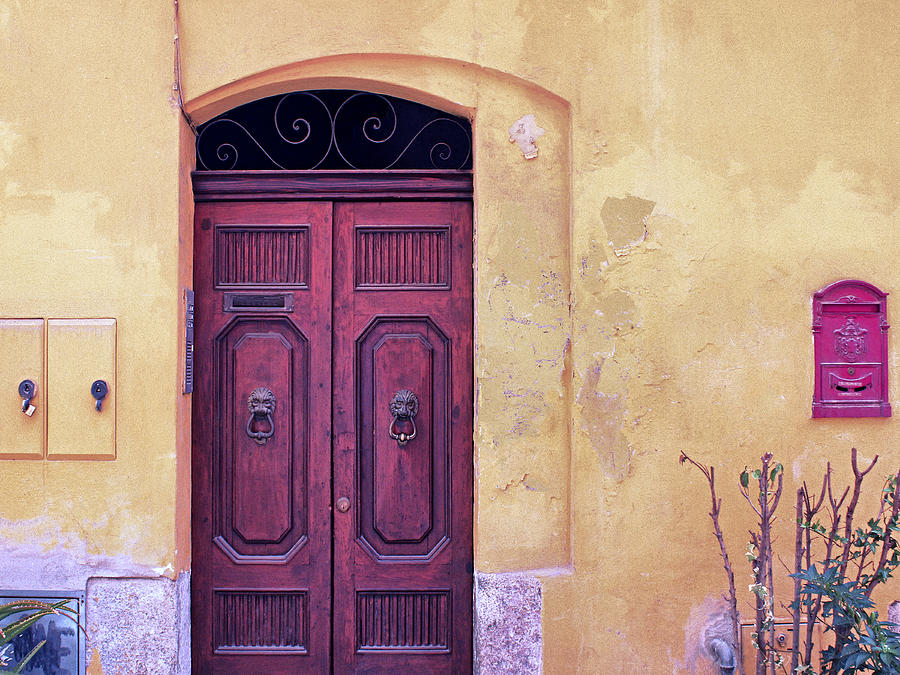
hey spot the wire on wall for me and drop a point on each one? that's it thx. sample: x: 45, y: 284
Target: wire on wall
x: 177, y: 84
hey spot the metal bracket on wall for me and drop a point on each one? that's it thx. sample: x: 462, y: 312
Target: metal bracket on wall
x: 188, y: 341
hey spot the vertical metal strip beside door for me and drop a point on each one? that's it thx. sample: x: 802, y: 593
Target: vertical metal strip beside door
x: 403, y: 537
x: 261, y: 518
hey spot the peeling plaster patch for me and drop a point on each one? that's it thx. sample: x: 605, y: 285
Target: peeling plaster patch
x: 707, y: 621
x: 32, y: 566
x: 8, y: 136
x: 618, y: 309
x: 524, y: 133
x: 626, y: 221
x: 798, y: 464
x: 525, y: 405
x: 551, y: 289
x: 93, y: 666
x: 66, y: 563
x: 894, y: 614
x: 511, y: 299
x: 80, y: 204
x: 132, y: 624
x: 558, y: 360
x: 527, y: 481
x: 508, y: 638
x: 602, y: 419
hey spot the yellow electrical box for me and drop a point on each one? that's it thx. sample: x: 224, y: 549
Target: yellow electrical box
x: 22, y: 415
x: 783, y: 640
x: 81, y: 389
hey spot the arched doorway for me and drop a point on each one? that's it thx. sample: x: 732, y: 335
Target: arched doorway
x: 332, y: 411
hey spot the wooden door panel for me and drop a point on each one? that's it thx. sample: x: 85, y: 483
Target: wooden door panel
x: 260, y: 623
x: 411, y: 621
x: 261, y: 497
x: 405, y: 257
x: 403, y: 551
x: 402, y: 476
x: 261, y: 516
x: 404, y: 493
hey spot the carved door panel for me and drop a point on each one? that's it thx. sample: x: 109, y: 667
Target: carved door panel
x: 261, y: 519
x: 403, y: 538
x: 332, y: 531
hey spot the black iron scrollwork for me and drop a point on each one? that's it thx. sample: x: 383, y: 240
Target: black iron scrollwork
x: 262, y: 406
x: 334, y: 129
x: 404, y: 406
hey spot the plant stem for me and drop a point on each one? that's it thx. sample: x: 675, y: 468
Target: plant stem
x: 798, y: 563
x: 710, y: 474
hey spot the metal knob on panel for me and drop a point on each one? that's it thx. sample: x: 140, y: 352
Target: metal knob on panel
x: 27, y: 390
x: 99, y: 390
x: 343, y: 504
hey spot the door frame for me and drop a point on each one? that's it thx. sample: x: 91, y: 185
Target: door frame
x: 511, y: 195
x: 387, y: 184
x: 342, y: 185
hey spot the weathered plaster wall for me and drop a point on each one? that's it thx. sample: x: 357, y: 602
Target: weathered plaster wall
x: 88, y: 214
x: 762, y: 142
x: 725, y: 163
x: 643, y: 285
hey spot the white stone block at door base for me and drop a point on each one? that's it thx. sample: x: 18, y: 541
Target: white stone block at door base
x: 132, y: 622
x: 508, y: 638
x: 142, y: 625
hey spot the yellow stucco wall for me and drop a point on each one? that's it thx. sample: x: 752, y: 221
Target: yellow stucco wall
x: 761, y: 138
x: 89, y: 212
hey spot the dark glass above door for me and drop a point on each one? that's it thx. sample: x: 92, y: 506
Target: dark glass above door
x: 334, y: 129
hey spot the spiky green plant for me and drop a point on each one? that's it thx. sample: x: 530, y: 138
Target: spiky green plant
x: 31, y: 611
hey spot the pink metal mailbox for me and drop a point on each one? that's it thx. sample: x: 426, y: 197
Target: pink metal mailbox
x: 850, y: 335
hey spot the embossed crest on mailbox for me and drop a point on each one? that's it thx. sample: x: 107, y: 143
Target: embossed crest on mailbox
x: 850, y: 336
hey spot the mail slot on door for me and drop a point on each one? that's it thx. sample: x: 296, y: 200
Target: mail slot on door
x: 850, y: 336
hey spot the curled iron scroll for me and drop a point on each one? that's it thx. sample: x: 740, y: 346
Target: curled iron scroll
x: 404, y: 406
x: 261, y: 403
x: 334, y: 129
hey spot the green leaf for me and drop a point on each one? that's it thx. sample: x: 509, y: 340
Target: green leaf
x: 36, y: 610
x: 777, y: 469
x: 745, y: 478
x: 30, y: 655
x: 16, y: 627
x: 19, y: 606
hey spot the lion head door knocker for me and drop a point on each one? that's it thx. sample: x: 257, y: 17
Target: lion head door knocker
x: 262, y: 404
x: 404, y: 407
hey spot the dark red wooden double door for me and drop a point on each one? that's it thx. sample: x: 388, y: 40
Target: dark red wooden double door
x: 325, y: 539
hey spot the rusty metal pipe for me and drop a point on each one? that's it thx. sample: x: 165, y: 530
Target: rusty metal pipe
x: 723, y: 653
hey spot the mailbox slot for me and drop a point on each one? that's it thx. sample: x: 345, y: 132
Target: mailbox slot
x: 850, y: 342
x: 859, y: 382
x: 259, y: 302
